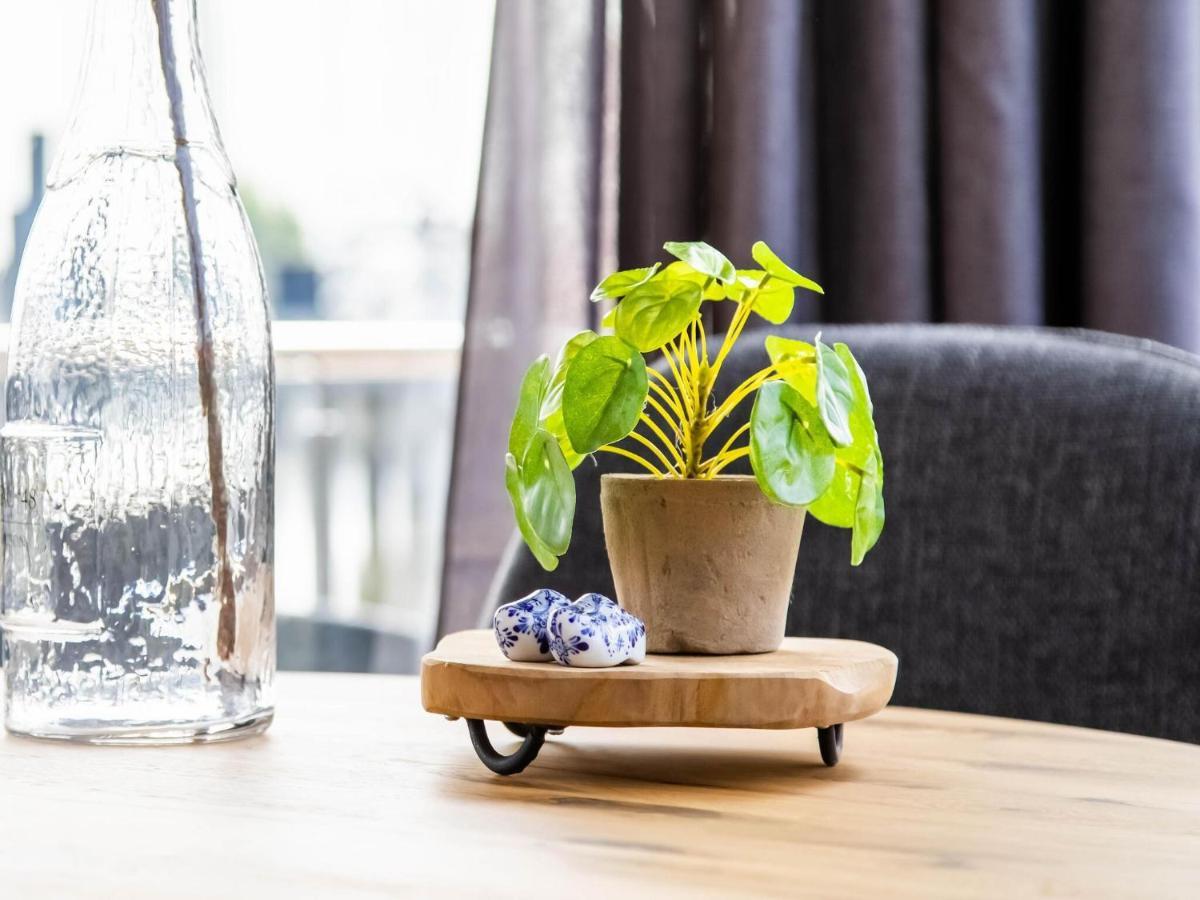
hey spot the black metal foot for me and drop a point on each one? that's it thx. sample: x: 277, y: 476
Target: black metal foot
x: 497, y: 762
x: 830, y: 741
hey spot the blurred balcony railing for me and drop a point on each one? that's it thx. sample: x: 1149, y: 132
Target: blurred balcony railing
x: 341, y: 352
x: 363, y: 435
x: 365, y: 352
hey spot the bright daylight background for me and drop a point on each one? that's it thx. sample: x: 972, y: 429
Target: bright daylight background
x: 354, y: 128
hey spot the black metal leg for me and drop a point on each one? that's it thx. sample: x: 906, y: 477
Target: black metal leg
x: 520, y: 729
x: 830, y: 741
x: 497, y: 762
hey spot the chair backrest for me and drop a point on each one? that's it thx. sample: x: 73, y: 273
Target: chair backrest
x: 1041, y: 557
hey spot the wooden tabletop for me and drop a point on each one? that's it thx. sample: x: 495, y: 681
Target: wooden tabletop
x: 356, y: 792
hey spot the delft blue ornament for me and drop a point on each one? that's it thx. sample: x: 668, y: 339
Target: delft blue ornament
x: 521, y: 627
x: 595, y: 632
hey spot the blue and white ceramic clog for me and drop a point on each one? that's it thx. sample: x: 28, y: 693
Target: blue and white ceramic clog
x: 595, y: 632
x: 521, y: 626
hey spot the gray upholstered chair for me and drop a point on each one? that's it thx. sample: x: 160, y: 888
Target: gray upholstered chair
x: 1042, y: 551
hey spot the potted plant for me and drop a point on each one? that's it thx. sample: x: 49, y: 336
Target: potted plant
x: 706, y: 559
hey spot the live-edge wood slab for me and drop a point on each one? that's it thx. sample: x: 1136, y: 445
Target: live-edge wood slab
x: 807, y: 683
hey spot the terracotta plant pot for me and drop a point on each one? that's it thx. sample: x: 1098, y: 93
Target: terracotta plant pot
x: 707, y: 565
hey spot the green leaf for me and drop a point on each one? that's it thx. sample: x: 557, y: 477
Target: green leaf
x: 835, y: 397
x: 854, y: 498
x: 837, y: 375
x: 766, y: 257
x: 548, y: 491
x: 554, y: 424
x: 551, y: 413
x: 868, y: 513
x: 512, y: 483
x: 703, y: 258
x: 604, y: 393
x: 610, y: 319
x: 618, y: 284
x: 790, y: 450
x: 657, y: 312
x: 542, y: 493
x: 862, y: 413
x: 836, y: 506
x: 681, y: 271
x: 801, y: 374
x: 529, y: 406
x: 774, y: 300
x: 552, y: 400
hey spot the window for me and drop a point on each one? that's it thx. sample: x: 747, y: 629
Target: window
x: 355, y: 131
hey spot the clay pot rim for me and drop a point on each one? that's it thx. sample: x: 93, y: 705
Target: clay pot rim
x: 638, y: 476
x: 720, y: 488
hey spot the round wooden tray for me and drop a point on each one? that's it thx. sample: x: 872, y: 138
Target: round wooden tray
x: 808, y: 683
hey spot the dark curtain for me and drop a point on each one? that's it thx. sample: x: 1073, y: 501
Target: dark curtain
x: 1014, y: 161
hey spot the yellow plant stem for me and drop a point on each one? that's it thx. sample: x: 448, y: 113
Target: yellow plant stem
x: 727, y: 459
x: 735, y: 329
x: 667, y: 442
x: 681, y: 424
x: 621, y: 451
x: 653, y: 448
x: 752, y: 384
x: 725, y: 449
x: 666, y: 391
x: 693, y: 351
x: 679, y: 379
x: 736, y: 396
x: 688, y: 370
x: 673, y: 424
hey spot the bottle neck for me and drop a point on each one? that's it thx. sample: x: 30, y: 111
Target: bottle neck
x: 121, y: 103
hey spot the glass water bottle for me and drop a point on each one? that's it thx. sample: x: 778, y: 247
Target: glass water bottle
x: 138, y: 452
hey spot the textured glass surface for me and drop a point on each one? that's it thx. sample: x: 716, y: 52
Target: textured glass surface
x: 111, y: 597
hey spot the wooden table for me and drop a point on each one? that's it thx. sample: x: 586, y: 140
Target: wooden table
x: 356, y: 792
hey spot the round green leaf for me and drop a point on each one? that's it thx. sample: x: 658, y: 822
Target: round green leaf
x: 773, y: 299
x: 604, y: 393
x: 618, y: 284
x: 835, y: 397
x: 766, y: 257
x: 542, y: 492
x: 836, y: 506
x: 681, y: 271
x: 552, y: 400
x: 703, y: 258
x: 854, y: 498
x: 555, y: 424
x: 868, y: 512
x: 802, y: 377
x: 656, y: 312
x: 551, y: 414
x: 862, y: 412
x: 512, y: 483
x: 790, y: 450
x: 548, y: 491
x: 529, y: 406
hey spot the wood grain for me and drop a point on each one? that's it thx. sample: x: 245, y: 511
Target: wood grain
x: 808, y: 682
x: 355, y: 792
